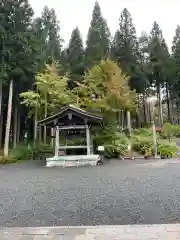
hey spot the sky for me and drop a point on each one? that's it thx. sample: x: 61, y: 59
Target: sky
x: 72, y: 13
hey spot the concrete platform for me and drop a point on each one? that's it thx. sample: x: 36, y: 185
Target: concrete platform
x: 128, y: 232
x: 72, y: 161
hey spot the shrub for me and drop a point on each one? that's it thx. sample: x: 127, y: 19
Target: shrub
x: 6, y: 160
x: 110, y: 151
x: 142, y: 145
x: 118, y: 147
x: 176, y: 130
x: 146, y: 132
x: 167, y: 131
x: 21, y: 152
x: 167, y: 151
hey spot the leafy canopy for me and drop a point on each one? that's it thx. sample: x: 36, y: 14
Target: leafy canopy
x: 105, y: 87
x: 51, y: 91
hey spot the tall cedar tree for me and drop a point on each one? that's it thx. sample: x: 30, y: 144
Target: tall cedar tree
x: 158, y: 54
x: 159, y: 57
x: 98, y: 39
x: 75, y: 57
x: 176, y: 58
x: 47, y: 30
x: 125, y: 42
x: 19, y: 51
x: 125, y: 51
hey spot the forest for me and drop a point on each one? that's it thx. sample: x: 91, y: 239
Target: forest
x: 111, y: 75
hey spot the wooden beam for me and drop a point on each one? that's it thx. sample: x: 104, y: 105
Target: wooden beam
x: 72, y: 127
x: 71, y: 147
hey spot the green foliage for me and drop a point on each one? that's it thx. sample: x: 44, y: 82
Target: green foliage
x: 98, y: 39
x: 142, y: 142
x: 115, y: 143
x: 21, y: 153
x: 110, y: 87
x: 40, y: 149
x: 143, y: 145
x: 125, y: 51
x: 125, y: 45
x: 167, y: 131
x: 51, y: 93
x: 7, y: 160
x: 176, y: 130
x: 143, y: 132
x: 75, y: 58
x: 158, y: 55
x: 167, y: 150
x: 19, y: 43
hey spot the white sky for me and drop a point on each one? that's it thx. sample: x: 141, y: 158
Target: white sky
x: 72, y: 13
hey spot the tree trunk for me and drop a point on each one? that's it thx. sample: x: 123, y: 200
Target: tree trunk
x: 145, y: 108
x: 168, y: 104
x: 1, y: 115
x: 45, y: 116
x: 160, y: 115
x: 15, y: 125
x: 35, y: 126
x: 161, y: 107
x: 1, y: 130
x: 0, y: 98
x: 18, y: 125
x: 8, y: 121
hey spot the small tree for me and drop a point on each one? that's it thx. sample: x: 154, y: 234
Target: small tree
x: 51, y: 93
x: 109, y: 86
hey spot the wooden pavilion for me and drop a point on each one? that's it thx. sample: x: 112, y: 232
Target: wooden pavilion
x: 71, y: 120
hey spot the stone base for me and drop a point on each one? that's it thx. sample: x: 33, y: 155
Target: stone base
x: 72, y: 161
x: 128, y: 232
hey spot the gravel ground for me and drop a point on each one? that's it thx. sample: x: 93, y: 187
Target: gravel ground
x: 120, y: 192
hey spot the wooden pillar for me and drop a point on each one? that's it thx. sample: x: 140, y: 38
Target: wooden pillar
x: 40, y: 133
x: 88, y: 140
x: 57, y: 142
x: 52, y: 137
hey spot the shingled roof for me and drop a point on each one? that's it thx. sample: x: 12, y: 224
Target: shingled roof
x: 71, y: 108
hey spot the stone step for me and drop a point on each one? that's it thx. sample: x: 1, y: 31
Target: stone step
x: 127, y: 232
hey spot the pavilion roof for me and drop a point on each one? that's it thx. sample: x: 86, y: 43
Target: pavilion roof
x: 73, y: 109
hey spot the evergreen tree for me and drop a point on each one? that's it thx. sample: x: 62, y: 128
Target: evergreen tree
x: 20, y: 52
x: 125, y: 43
x: 47, y: 30
x: 125, y: 51
x: 159, y: 57
x: 175, y: 68
x: 75, y: 57
x: 176, y: 58
x: 98, y: 39
x: 158, y: 52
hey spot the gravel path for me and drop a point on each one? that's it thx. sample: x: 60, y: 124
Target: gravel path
x: 121, y: 192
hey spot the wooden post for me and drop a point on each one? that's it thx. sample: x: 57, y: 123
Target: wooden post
x: 57, y: 142
x: 129, y: 128
x: 88, y: 140
x: 40, y: 133
x: 52, y: 139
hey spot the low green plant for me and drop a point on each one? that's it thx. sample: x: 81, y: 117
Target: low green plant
x: 141, y: 144
x: 148, y: 152
x: 6, y: 160
x: 143, y: 132
x: 176, y: 130
x: 21, y: 152
x: 167, y: 131
x: 167, y: 150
